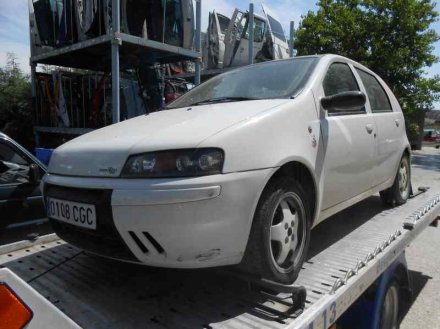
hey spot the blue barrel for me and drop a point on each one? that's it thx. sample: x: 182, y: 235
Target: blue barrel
x: 43, y: 154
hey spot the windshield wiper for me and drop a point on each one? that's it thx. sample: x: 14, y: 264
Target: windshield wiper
x: 223, y: 99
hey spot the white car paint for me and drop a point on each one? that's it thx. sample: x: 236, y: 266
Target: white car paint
x: 205, y: 221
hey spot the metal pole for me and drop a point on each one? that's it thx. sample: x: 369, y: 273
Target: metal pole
x: 251, y: 33
x: 198, y: 41
x: 115, y: 60
x: 292, y: 38
x: 34, y: 100
x: 33, y: 75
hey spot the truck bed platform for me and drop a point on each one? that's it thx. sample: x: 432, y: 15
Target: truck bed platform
x: 348, y: 253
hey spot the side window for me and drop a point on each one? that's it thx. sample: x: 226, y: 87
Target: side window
x: 339, y: 78
x: 14, y: 168
x: 259, y: 29
x: 377, y: 96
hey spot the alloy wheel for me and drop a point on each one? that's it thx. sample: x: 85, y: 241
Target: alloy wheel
x: 403, y: 178
x: 287, y: 232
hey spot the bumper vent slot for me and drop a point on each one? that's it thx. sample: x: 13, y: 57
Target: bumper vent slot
x: 153, y: 241
x: 138, y: 242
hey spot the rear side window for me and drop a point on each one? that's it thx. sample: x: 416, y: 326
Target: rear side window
x: 339, y: 78
x: 377, y: 96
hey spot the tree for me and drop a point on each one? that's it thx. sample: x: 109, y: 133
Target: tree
x: 16, y: 118
x: 392, y: 38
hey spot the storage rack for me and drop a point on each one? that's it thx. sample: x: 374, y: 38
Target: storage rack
x: 105, y: 52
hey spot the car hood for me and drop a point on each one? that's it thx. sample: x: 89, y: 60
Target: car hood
x: 104, y: 152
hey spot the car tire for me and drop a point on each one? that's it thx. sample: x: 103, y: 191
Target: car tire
x: 390, y: 309
x: 280, y: 233
x: 399, y: 192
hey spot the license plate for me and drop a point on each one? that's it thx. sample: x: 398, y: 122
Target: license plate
x: 75, y: 213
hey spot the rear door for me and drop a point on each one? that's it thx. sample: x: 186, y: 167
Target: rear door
x: 390, y: 128
x: 20, y: 200
x: 348, y: 139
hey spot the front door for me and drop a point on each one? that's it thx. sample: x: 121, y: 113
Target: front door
x: 348, y: 140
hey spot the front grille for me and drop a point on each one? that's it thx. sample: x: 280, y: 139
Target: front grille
x: 105, y: 240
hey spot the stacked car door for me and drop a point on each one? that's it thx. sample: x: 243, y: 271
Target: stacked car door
x: 214, y: 49
x: 90, y: 18
x: 278, y: 37
x: 237, y: 39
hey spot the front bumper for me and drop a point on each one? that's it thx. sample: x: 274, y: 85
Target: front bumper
x: 184, y: 223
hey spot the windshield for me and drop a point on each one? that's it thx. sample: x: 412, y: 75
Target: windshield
x: 275, y: 79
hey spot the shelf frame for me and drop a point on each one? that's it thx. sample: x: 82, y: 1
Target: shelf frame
x: 106, y: 52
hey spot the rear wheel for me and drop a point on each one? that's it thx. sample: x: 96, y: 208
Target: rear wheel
x: 389, y: 318
x: 280, y: 233
x: 399, y: 192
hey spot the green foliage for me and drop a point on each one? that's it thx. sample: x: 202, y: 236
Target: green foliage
x: 16, y: 103
x: 392, y: 38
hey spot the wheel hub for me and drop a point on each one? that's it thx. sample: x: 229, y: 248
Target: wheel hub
x: 403, y: 178
x: 287, y: 232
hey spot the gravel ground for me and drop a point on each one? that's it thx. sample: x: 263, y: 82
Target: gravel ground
x: 423, y: 255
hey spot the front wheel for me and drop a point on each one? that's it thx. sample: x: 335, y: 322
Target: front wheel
x: 280, y: 232
x: 399, y: 192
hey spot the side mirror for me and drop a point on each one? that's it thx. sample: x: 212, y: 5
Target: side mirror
x: 346, y: 101
x: 34, y: 174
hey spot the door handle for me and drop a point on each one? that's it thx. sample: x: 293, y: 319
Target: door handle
x: 397, y: 123
x: 369, y: 128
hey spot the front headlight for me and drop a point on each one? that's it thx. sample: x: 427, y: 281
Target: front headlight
x: 175, y: 163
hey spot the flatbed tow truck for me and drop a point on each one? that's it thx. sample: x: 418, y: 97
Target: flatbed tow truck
x: 351, y: 266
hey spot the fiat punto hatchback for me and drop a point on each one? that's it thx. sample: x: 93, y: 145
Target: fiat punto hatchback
x: 236, y: 171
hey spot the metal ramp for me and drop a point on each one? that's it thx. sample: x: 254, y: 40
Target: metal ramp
x: 348, y: 252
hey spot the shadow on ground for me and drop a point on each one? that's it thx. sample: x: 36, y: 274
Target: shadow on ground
x: 426, y: 161
x: 419, y: 281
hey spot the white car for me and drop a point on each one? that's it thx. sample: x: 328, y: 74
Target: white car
x: 238, y: 170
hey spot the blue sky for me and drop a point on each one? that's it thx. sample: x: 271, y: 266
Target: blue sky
x: 14, y: 26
